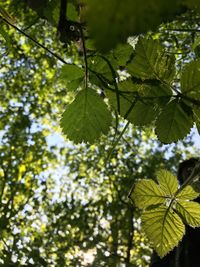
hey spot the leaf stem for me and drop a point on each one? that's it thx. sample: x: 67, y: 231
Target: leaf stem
x: 85, y: 56
x: 116, y: 142
x: 114, y: 76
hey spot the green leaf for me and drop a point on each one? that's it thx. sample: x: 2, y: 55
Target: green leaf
x: 121, y: 54
x: 142, y: 114
x: 121, y: 19
x: 190, y: 80
x: 86, y: 118
x: 72, y: 75
x: 188, y: 193
x: 164, y: 228
x: 139, y: 112
x: 173, y: 123
x: 167, y: 181
x: 190, y: 211
x: 151, y: 61
x: 99, y: 65
x: 147, y: 193
x: 196, y: 111
x: 160, y: 94
x: 71, y: 72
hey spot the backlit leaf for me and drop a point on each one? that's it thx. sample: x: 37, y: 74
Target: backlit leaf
x: 86, y: 118
x: 190, y: 80
x: 164, y: 228
x: 188, y: 193
x: 173, y: 123
x: 151, y: 61
x: 190, y: 212
x: 147, y: 193
x: 167, y: 181
x: 139, y: 112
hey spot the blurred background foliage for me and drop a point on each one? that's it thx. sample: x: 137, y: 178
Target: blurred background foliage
x: 60, y: 204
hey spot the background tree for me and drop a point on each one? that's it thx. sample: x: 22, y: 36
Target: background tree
x: 66, y: 205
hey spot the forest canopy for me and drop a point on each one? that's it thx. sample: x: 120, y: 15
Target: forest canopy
x: 99, y: 102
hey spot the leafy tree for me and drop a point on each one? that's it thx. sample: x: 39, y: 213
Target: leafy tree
x: 57, y: 54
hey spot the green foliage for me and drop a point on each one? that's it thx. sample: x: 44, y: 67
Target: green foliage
x: 86, y: 117
x: 151, y: 61
x: 124, y: 19
x: 173, y: 123
x: 166, y: 208
x: 72, y: 75
x: 59, y: 202
x: 190, y: 80
x: 190, y: 211
x: 164, y: 228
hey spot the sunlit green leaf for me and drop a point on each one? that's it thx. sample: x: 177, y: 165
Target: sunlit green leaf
x: 188, y: 193
x: 167, y: 182
x: 86, y: 118
x: 164, y: 228
x: 147, y: 193
x: 190, y: 212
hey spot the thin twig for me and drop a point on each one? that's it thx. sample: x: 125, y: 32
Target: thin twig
x: 85, y: 56
x: 116, y: 143
x: 33, y: 40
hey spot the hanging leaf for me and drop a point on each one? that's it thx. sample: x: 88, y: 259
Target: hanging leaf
x: 164, y: 228
x: 190, y: 80
x: 190, y: 211
x: 151, y: 61
x: 173, y: 123
x: 86, y: 118
x: 147, y: 193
